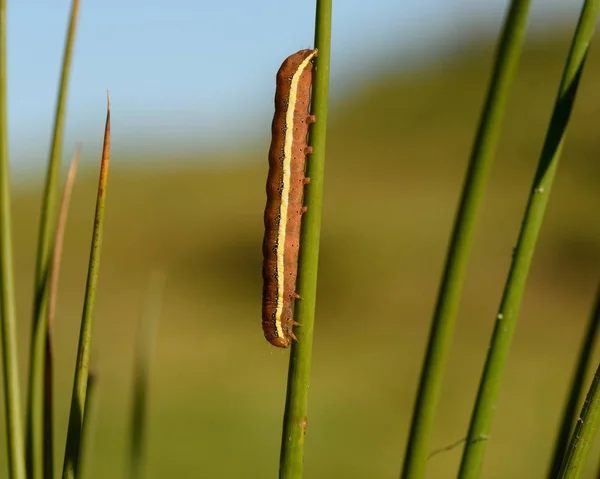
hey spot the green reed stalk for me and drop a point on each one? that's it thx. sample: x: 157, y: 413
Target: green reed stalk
x: 52, y: 298
x: 584, y: 433
x: 8, y: 328
x: 570, y: 413
x: 88, y: 422
x: 80, y: 383
x: 35, y: 399
x: 444, y: 318
x: 296, y: 405
x: 487, y: 397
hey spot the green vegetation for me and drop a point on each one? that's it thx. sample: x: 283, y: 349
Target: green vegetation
x: 296, y: 402
x: 8, y: 317
x: 217, y: 389
x: 506, y: 319
x: 36, y: 443
x: 483, y: 152
x: 584, y: 433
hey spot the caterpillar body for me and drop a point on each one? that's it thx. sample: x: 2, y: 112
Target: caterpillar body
x: 285, y: 191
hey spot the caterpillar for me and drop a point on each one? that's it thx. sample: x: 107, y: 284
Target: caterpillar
x: 285, y: 189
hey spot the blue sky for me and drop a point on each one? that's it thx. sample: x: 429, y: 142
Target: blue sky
x: 185, y: 72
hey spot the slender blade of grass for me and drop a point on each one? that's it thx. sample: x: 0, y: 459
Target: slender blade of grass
x: 8, y: 315
x: 444, y: 317
x: 52, y: 297
x: 90, y: 401
x: 77, y: 412
x: 35, y: 399
x: 296, y: 405
x: 570, y: 413
x: 489, y: 388
x: 584, y: 433
x: 145, y: 348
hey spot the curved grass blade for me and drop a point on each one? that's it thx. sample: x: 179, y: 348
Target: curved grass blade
x: 35, y: 399
x: 8, y: 315
x: 144, y: 350
x: 52, y: 296
x: 78, y: 400
x: 444, y: 317
x: 489, y: 388
x: 584, y: 433
x: 296, y: 405
x: 576, y: 389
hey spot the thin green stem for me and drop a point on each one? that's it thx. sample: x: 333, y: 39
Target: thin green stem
x: 584, y: 433
x: 80, y: 383
x: 487, y: 397
x: 86, y: 431
x: 52, y: 297
x: 145, y: 348
x: 296, y: 405
x: 35, y: 399
x: 12, y: 402
x: 570, y: 413
x: 444, y: 318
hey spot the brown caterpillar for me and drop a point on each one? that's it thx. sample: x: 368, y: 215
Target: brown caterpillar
x: 285, y: 188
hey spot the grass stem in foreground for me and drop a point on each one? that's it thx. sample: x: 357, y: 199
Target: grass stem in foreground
x: 482, y: 155
x: 489, y: 388
x: 296, y: 405
x: 35, y: 398
x: 52, y: 297
x: 576, y: 389
x: 584, y: 433
x: 8, y: 315
x: 86, y: 432
x: 80, y: 383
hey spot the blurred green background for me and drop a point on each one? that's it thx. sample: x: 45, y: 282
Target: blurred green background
x: 397, y: 152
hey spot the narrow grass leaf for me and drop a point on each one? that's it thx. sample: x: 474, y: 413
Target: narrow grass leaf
x: 52, y: 297
x: 444, y: 317
x: 575, y: 391
x: 584, y: 433
x: 144, y: 351
x: 88, y: 420
x: 35, y: 398
x: 8, y: 315
x: 78, y: 399
x: 296, y: 405
x: 489, y: 388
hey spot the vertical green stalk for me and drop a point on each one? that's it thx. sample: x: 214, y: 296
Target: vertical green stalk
x: 52, y: 298
x: 444, y: 318
x: 86, y: 430
x: 82, y: 366
x: 35, y: 399
x: 296, y: 405
x: 570, y: 412
x: 584, y: 433
x: 487, y: 397
x: 145, y: 347
x: 12, y: 402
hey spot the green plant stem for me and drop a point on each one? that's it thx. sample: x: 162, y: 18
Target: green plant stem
x: 584, y: 433
x: 487, y: 397
x: 12, y: 402
x: 444, y: 318
x: 570, y: 413
x: 52, y: 298
x: 80, y: 383
x: 35, y: 399
x: 145, y: 348
x: 296, y: 405
x: 90, y: 400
